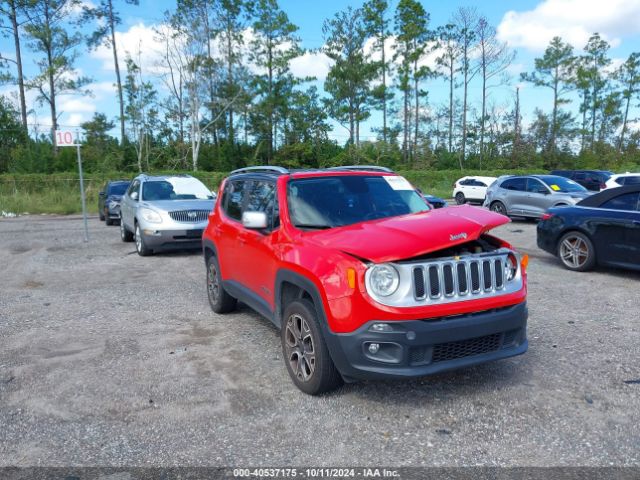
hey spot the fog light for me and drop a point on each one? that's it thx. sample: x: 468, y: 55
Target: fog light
x: 373, y: 348
x: 381, y: 327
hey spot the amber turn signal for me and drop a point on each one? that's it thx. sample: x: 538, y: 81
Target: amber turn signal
x: 351, y: 277
x: 524, y: 263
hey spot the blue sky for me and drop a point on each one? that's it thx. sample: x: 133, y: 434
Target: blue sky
x: 526, y: 25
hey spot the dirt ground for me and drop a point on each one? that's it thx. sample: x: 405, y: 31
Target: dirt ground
x: 111, y: 359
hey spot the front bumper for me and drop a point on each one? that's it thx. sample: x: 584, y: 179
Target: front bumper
x: 422, y: 347
x: 172, y: 239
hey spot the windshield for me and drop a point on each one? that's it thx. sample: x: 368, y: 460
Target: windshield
x: 563, y: 185
x: 337, y: 201
x: 175, y: 188
x: 118, y: 188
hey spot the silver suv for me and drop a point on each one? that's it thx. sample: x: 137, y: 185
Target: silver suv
x: 165, y: 212
x: 532, y: 195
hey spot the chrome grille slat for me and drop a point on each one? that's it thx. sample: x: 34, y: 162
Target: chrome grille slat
x: 189, y: 216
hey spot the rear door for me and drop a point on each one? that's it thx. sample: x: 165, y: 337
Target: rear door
x: 230, y: 228
x: 538, y: 198
x: 617, y: 230
x: 514, y: 197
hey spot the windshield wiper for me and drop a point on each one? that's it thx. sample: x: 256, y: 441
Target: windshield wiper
x: 312, y: 226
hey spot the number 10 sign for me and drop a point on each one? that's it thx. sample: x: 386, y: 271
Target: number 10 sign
x: 64, y: 138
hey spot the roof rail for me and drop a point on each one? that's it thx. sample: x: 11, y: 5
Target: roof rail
x: 265, y: 169
x: 369, y: 168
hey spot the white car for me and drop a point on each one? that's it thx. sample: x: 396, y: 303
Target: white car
x: 471, y: 189
x: 621, y: 179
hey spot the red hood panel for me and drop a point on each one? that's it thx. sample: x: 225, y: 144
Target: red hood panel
x: 408, y: 236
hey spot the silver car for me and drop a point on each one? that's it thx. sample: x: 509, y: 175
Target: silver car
x: 532, y: 195
x: 165, y: 212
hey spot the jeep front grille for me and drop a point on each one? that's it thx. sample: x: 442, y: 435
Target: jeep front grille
x: 458, y: 278
x: 189, y: 216
x: 452, y: 279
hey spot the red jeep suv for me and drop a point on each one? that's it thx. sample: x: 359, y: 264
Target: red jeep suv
x: 361, y: 276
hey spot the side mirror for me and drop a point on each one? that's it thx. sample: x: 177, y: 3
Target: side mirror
x: 254, y: 220
x: 102, y: 194
x: 134, y: 196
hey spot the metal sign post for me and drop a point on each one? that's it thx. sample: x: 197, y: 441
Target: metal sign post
x: 64, y: 138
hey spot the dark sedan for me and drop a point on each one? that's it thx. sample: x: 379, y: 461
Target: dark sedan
x: 109, y: 200
x: 436, y: 202
x: 603, y: 229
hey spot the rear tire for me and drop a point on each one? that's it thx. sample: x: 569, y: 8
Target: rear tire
x: 460, y: 200
x: 125, y: 235
x: 101, y: 216
x: 498, y: 207
x: 219, y: 299
x: 576, y: 252
x: 305, y: 352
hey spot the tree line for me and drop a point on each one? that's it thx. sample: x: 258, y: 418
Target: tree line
x: 223, y: 94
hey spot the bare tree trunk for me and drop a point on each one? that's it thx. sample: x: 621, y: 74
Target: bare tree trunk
x: 230, y: 80
x: 516, y: 133
x: 384, y: 88
x: 16, y: 41
x: 416, y: 119
x: 624, y: 124
x: 117, y: 70
x: 484, y: 107
x: 451, y: 68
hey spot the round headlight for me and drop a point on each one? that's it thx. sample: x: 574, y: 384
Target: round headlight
x: 510, y: 267
x: 384, y: 280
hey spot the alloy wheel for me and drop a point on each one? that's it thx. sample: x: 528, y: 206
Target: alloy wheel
x: 499, y: 208
x: 138, y: 239
x: 574, y: 251
x: 300, y: 348
x: 213, y: 284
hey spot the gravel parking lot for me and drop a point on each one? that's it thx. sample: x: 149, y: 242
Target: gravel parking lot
x: 111, y: 359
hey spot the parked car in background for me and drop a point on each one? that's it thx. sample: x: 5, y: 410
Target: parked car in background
x: 593, y: 180
x: 603, y: 229
x: 435, y: 202
x: 362, y: 277
x: 471, y: 189
x: 109, y: 200
x: 165, y: 212
x: 532, y: 195
x: 621, y: 179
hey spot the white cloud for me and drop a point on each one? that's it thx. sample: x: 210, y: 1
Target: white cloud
x: 311, y: 64
x: 140, y: 42
x: 572, y: 20
x: 77, y: 105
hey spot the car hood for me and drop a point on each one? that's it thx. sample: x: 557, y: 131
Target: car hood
x: 115, y: 198
x: 408, y: 236
x: 176, y: 205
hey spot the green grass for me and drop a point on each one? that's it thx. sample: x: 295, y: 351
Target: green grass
x: 60, y: 193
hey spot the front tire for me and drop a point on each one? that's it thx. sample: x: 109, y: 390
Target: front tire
x: 125, y: 235
x: 141, y: 248
x: 219, y: 299
x: 305, y: 352
x: 460, y: 200
x: 499, y: 207
x: 576, y: 252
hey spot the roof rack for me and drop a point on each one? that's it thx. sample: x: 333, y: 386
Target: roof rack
x: 264, y: 169
x: 369, y: 168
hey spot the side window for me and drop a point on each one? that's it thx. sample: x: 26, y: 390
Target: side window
x: 620, y: 180
x: 480, y: 184
x: 134, y: 188
x: 536, y: 186
x: 628, y: 201
x: 517, y: 184
x: 632, y: 180
x: 261, y: 197
x: 234, y: 194
x: 467, y: 182
x: 580, y: 176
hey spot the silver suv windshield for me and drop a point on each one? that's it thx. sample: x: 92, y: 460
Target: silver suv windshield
x: 563, y: 185
x: 327, y: 202
x: 175, y: 188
